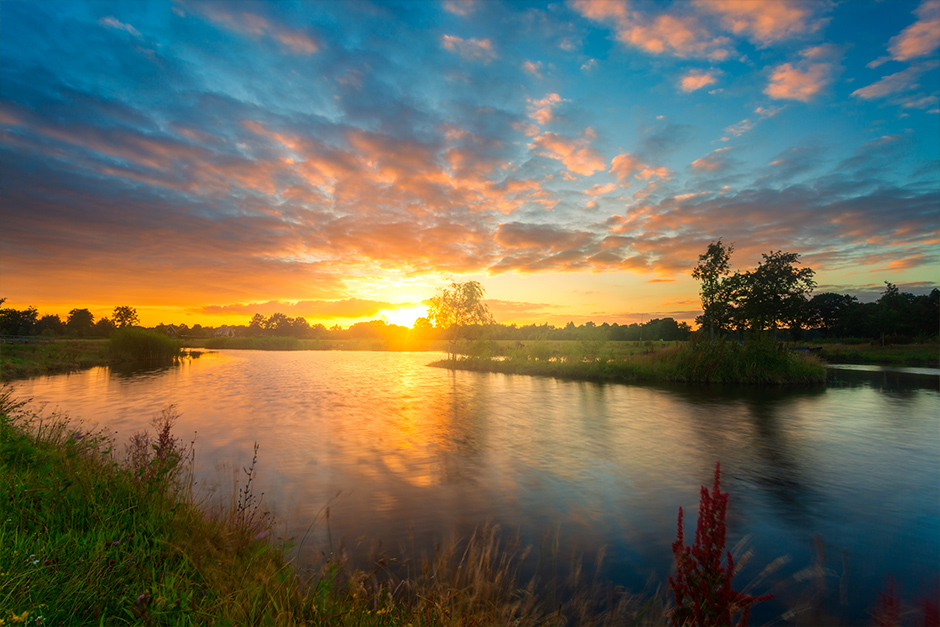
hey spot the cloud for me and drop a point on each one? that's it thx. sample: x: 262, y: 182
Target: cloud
x: 589, y: 65
x: 905, y: 80
x: 541, y: 110
x: 678, y: 35
x: 316, y: 309
x: 717, y: 160
x: 745, y: 125
x: 576, y: 154
x: 600, y: 190
x: 767, y: 21
x: 462, y: 8
x: 111, y: 22
x: 804, y: 80
x: 920, y: 38
x: 626, y: 165
x: 470, y: 49
x: 257, y: 26
x: 519, y: 235
x: 696, y: 79
x: 533, y: 68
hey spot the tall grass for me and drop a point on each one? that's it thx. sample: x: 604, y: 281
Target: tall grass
x: 139, y: 345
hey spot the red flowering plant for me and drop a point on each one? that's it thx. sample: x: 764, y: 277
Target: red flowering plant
x: 702, y: 586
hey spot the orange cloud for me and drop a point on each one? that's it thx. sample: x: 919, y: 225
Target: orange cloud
x: 576, y: 154
x: 804, y: 80
x: 766, y: 21
x: 541, y: 110
x: 696, y: 79
x: 626, y: 165
x: 679, y: 35
x: 920, y: 38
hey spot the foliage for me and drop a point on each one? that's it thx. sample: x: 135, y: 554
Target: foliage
x: 140, y: 345
x: 18, y: 322
x: 80, y: 323
x: 28, y: 360
x: 124, y: 316
x: 712, y: 270
x: 458, y: 306
x: 774, y: 294
x: 702, y: 586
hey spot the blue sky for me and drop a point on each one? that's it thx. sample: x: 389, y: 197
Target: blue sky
x: 340, y: 160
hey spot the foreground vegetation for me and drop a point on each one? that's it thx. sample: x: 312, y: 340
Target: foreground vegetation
x: 93, y: 537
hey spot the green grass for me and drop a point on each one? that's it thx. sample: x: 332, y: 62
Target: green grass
x: 90, y: 535
x: 925, y: 355
x: 755, y: 362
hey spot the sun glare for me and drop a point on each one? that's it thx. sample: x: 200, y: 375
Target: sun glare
x: 405, y: 316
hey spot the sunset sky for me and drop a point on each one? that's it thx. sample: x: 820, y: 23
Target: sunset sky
x: 341, y: 160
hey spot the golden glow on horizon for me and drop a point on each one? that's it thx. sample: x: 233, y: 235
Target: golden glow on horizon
x: 404, y: 316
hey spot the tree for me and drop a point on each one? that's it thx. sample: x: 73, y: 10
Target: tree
x: 256, y: 325
x: 80, y: 322
x: 18, y: 322
x: 104, y: 328
x: 828, y: 312
x: 278, y: 324
x: 774, y: 295
x: 124, y: 316
x: 456, y: 307
x: 713, y: 270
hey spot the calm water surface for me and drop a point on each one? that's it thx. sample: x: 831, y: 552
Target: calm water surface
x: 399, y: 450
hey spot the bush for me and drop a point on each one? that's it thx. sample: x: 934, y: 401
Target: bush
x: 142, y: 346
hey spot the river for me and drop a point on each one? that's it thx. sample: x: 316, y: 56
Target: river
x: 405, y: 453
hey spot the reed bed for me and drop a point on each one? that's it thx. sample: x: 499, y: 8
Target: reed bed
x: 142, y: 346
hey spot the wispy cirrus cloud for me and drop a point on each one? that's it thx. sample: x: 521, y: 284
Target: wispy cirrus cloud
x: 920, y: 38
x: 239, y: 20
x: 111, y: 22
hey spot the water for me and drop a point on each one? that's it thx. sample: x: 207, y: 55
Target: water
x: 407, y: 454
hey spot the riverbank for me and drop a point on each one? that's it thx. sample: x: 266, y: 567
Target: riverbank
x: 93, y: 537
x: 18, y: 361
x: 756, y: 363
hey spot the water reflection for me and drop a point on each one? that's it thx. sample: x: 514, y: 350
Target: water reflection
x: 401, y: 451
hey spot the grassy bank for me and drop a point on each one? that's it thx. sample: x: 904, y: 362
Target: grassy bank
x: 760, y: 363
x: 91, y: 535
x: 923, y: 355
x: 18, y: 361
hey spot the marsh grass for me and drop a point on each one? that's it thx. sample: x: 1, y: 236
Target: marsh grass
x: 142, y: 346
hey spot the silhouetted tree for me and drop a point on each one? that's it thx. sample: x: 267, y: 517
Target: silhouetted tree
x: 713, y: 270
x: 80, y: 323
x: 774, y: 295
x: 124, y: 316
x: 18, y: 321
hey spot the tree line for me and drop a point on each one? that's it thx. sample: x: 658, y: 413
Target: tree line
x: 775, y: 297
x: 79, y: 323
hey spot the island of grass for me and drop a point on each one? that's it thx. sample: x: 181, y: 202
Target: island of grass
x: 756, y: 362
x: 41, y: 356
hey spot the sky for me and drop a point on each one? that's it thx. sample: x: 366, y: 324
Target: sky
x: 340, y: 161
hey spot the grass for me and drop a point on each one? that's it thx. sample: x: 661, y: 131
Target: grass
x: 93, y: 536
x: 925, y: 355
x: 755, y: 362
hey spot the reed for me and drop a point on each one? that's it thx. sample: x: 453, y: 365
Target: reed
x: 142, y: 346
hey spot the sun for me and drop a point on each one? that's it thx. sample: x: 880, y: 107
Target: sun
x: 404, y: 316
